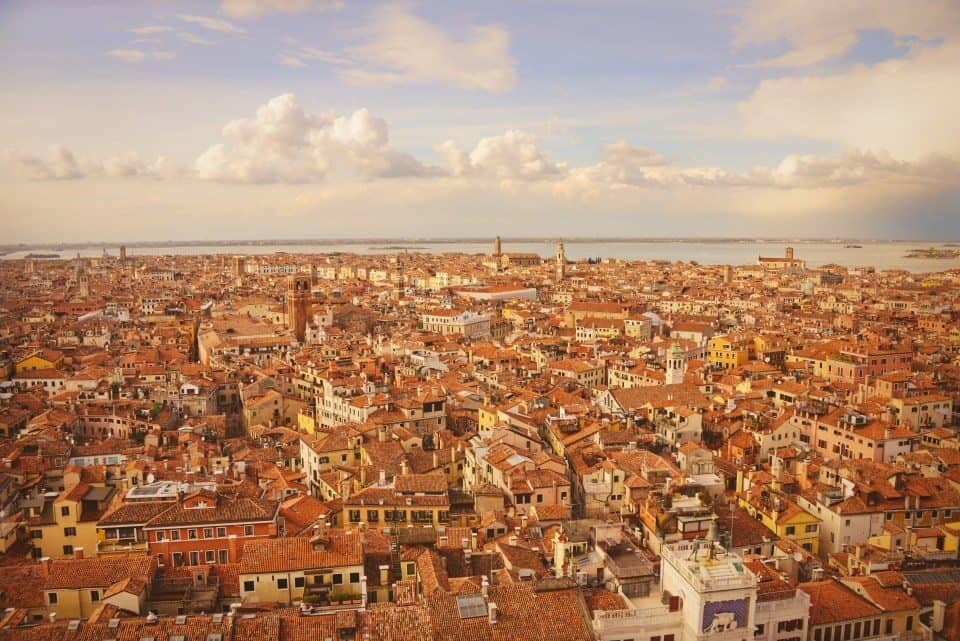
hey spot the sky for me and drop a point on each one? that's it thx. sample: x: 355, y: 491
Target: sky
x: 242, y: 119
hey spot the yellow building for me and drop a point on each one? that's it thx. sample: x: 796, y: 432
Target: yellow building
x: 726, y: 353
x: 38, y: 360
x: 74, y: 588
x: 324, y: 569
x: 62, y: 525
x: 784, y: 517
x: 413, y: 499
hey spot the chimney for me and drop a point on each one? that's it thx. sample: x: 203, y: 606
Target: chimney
x: 78, y: 553
x: 485, y: 587
x: 383, y: 477
x: 382, y: 434
x: 939, y: 611
x: 436, y: 459
x: 492, y: 612
x: 404, y: 468
x: 53, y: 617
x: 473, y: 540
x: 45, y: 565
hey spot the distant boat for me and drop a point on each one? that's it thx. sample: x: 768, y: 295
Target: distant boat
x: 854, y: 246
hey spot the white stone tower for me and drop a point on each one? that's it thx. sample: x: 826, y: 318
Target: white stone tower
x: 561, y: 262
x: 676, y: 365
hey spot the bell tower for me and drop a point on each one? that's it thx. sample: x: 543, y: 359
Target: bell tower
x: 497, y: 255
x: 676, y: 365
x: 298, y: 301
x: 561, y: 262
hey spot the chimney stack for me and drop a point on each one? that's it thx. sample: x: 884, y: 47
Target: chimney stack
x: 939, y: 612
x: 78, y: 553
x: 492, y: 612
x: 485, y: 587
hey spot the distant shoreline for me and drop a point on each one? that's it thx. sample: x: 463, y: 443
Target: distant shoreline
x: 418, y: 242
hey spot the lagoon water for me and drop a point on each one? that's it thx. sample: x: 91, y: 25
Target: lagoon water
x: 881, y: 255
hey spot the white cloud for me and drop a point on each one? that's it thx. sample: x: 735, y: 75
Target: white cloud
x: 292, y: 61
x: 132, y: 56
x: 818, y: 30
x: 402, y: 48
x: 150, y: 29
x: 904, y: 105
x: 513, y: 155
x: 61, y: 163
x: 257, y: 8
x: 330, y: 57
x: 191, y: 38
x: 625, y: 167
x: 212, y: 24
x: 284, y: 144
x: 164, y: 55
x: 716, y: 83
x: 299, y: 57
x: 58, y: 164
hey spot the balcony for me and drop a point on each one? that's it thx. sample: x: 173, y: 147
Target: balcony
x: 120, y: 546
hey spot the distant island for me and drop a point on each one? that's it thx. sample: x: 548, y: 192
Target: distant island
x: 395, y: 247
x: 35, y: 255
x: 933, y: 252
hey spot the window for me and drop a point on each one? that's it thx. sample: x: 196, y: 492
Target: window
x: 791, y: 530
x: 192, y: 533
x: 298, y: 582
x: 248, y: 586
x: 210, y: 556
x: 69, y: 531
x: 65, y: 510
x: 888, y: 628
x: 94, y: 596
x: 223, y: 556
x: 194, y: 558
x: 177, y: 559
x: 52, y: 598
x: 68, y: 549
x: 208, y: 532
x: 373, y: 516
x: 282, y: 584
x: 160, y: 560
x: 160, y: 535
x: 354, y: 577
x: 354, y: 516
x: 337, y: 579
x: 36, y: 534
x: 539, y: 498
x: 909, y: 623
x: 174, y: 535
x: 248, y: 530
x: 811, y: 528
